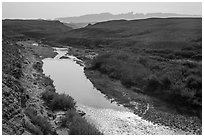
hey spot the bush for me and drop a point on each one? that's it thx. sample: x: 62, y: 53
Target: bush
x: 47, y: 81
x: 38, y: 66
x: 17, y: 73
x: 153, y: 84
x: 143, y: 60
x: 39, y: 121
x: 48, y: 96
x: 193, y: 82
x: 189, y: 94
x: 123, y: 67
x: 78, y: 125
x: 33, y: 129
x: 126, y: 81
x: 70, y: 114
x: 58, y: 101
x: 166, y: 83
x: 44, y: 125
x: 62, y: 102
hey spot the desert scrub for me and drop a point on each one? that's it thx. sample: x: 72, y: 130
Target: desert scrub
x: 38, y: 66
x: 78, y: 125
x: 11, y: 59
x: 35, y: 130
x: 178, y: 83
x: 122, y: 66
x: 58, y: 101
x: 41, y: 123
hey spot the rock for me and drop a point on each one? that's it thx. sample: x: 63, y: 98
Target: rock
x: 80, y: 112
x: 64, y: 57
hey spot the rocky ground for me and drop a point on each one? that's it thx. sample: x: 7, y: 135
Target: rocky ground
x: 13, y: 94
x: 32, y: 83
x: 111, y: 122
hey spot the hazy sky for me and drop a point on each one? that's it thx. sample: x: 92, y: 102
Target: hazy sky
x: 51, y: 10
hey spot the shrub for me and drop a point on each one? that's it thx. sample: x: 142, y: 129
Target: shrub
x: 47, y: 96
x: 48, y: 81
x: 33, y: 129
x: 184, y: 54
x: 78, y: 125
x: 39, y: 121
x: 99, y: 60
x: 166, y: 83
x: 62, y: 102
x: 190, y: 64
x: 70, y: 114
x: 193, y: 82
x: 17, y: 73
x: 58, y: 101
x: 143, y: 60
x: 126, y: 81
x: 30, y: 112
x: 189, y: 94
x: 123, y: 57
x: 44, y: 125
x: 38, y: 66
x: 121, y: 66
x: 153, y: 84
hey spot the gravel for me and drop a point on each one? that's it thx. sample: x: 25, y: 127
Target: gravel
x: 112, y: 122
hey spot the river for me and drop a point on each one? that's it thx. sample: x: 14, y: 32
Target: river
x: 107, y: 116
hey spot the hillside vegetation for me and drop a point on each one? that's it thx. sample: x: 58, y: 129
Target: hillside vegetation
x: 14, y: 96
x: 146, y: 33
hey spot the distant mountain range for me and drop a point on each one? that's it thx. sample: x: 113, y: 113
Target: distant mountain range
x: 81, y: 21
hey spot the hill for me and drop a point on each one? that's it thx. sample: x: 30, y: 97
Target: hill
x: 32, y: 28
x: 153, y: 32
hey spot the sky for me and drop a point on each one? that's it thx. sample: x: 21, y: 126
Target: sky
x: 51, y: 10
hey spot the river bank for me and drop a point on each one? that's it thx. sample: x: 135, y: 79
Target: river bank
x: 149, y: 108
x: 32, y: 115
